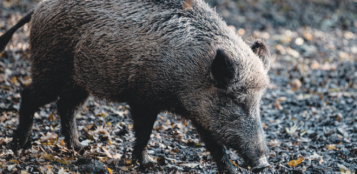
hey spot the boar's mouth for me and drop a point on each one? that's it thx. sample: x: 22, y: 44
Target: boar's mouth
x: 260, y: 165
x: 249, y: 142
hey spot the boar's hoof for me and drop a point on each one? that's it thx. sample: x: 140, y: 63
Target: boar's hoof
x: 226, y: 167
x: 260, y: 167
x: 142, y: 159
x: 19, y: 142
x: 81, y: 149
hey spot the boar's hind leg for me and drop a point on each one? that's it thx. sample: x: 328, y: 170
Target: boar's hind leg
x: 217, y: 151
x: 32, y: 98
x: 70, y: 100
x: 144, y: 120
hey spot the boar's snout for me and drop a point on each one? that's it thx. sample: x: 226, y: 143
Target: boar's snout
x: 260, y: 165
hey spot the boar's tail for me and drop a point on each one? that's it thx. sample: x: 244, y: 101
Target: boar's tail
x: 5, y: 38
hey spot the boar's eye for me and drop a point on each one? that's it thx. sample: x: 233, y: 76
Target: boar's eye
x: 222, y: 69
x: 262, y: 51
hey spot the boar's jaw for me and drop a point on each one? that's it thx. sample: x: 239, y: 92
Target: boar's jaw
x: 249, y: 140
x: 260, y: 164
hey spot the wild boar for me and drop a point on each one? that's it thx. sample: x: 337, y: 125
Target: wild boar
x: 155, y: 55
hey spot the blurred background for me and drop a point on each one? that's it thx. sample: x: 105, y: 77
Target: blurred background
x: 309, y: 110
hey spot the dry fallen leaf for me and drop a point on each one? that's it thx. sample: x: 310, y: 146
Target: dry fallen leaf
x: 315, y: 156
x: 109, y: 170
x: 277, y: 105
x: 264, y: 126
x: 241, y: 32
x: 62, y: 142
x: 3, y: 118
x: 294, y: 163
x: 49, y: 136
x: 62, y: 171
x: 308, y: 36
x: 190, y: 165
x: 107, y: 152
x: 49, y: 170
x: 331, y: 147
x: 48, y: 157
x: 292, y: 130
x: 296, y: 84
x: 10, y: 167
x: 273, y: 143
x: 41, y: 169
x: 51, y: 118
x: 117, y: 156
x: 13, y: 80
x: 343, y: 169
x: 14, y: 161
x: 7, y: 3
x: 24, y: 172
x: 314, y: 65
x: 127, y: 161
x: 62, y: 161
x: 233, y: 162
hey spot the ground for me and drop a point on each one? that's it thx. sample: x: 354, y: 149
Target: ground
x: 308, y: 111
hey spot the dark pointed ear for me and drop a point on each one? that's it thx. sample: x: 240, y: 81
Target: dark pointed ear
x: 261, y: 50
x: 222, y: 69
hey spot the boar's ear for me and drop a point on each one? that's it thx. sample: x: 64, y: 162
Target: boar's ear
x: 222, y: 69
x: 261, y: 50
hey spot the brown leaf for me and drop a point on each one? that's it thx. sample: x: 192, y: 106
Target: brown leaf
x: 51, y: 118
x: 343, y: 169
x: 49, y: 136
x: 3, y: 118
x: 296, y: 84
x: 277, y: 105
x: 109, y: 170
x: 294, y: 163
x: 241, y: 32
x: 62, y: 161
x: 308, y: 36
x: 107, y: 152
x: 62, y: 143
x: 62, y: 171
x: 14, y: 161
x: 314, y: 65
x: 24, y: 172
x: 233, y: 162
x: 264, y: 126
x: 273, y: 143
x: 7, y: 3
x: 48, y: 157
x: 13, y: 80
x: 331, y: 147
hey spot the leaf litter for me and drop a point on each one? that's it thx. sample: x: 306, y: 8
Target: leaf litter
x: 313, y: 81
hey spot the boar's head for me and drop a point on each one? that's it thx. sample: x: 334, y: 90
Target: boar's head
x: 229, y: 108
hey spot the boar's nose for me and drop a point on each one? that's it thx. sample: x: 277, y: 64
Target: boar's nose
x: 261, y: 165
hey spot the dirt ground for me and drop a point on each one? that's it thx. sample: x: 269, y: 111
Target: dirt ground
x: 309, y: 111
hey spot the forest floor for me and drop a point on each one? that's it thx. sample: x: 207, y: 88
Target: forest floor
x: 309, y: 111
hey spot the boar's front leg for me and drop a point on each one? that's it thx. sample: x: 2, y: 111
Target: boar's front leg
x: 144, y: 119
x: 218, y: 152
x: 70, y: 100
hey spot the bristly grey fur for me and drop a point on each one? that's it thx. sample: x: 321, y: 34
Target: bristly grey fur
x: 156, y: 56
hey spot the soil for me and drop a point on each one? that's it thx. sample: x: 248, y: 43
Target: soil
x: 308, y: 111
